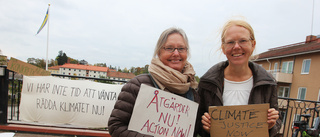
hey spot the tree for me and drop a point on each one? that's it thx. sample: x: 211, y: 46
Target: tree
x: 73, y: 61
x: 125, y: 70
x: 197, y: 78
x: 145, y: 70
x: 62, y: 58
x: 32, y: 61
x: 132, y: 70
x: 83, y: 62
x: 101, y: 64
x: 41, y: 63
x: 52, y: 63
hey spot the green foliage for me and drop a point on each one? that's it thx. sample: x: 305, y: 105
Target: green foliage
x: 140, y: 70
x: 62, y: 58
x: 100, y: 64
x: 73, y: 61
x: 41, y: 63
x: 197, y: 78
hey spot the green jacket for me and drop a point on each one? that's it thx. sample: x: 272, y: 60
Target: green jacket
x: 211, y: 89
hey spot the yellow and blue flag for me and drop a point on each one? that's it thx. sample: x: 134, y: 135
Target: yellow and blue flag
x: 44, y: 21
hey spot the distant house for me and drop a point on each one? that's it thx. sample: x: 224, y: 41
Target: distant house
x: 90, y: 71
x: 114, y: 75
x: 295, y: 67
x: 54, y: 69
x: 80, y: 70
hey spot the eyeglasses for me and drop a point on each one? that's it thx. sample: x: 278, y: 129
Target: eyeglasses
x: 242, y: 43
x: 180, y: 50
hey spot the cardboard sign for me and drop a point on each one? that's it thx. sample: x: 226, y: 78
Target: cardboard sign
x: 239, y: 121
x: 26, y: 68
x: 55, y: 101
x: 160, y: 113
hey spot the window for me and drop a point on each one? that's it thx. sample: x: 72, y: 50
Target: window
x: 302, y: 93
x: 94, y: 72
x: 283, y: 92
x: 319, y: 95
x: 283, y: 115
x: 64, y: 73
x: 64, y: 68
x: 305, y: 66
x: 74, y: 70
x: 275, y: 68
x: 287, y: 67
x: 79, y: 70
x: 69, y: 69
x: 297, y: 117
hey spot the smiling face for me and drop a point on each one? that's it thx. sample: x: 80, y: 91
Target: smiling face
x: 238, y: 55
x: 175, y: 59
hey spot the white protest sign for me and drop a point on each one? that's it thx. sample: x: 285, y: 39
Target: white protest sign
x: 160, y: 113
x: 52, y: 100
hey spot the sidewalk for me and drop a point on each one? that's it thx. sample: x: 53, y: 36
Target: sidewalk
x: 22, y: 130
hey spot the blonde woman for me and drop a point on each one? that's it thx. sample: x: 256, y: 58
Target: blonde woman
x: 237, y: 81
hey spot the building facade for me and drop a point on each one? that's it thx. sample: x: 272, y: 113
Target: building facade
x: 90, y: 71
x: 295, y: 67
x: 114, y: 75
x: 80, y: 70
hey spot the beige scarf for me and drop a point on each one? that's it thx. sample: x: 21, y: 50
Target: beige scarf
x: 169, y: 79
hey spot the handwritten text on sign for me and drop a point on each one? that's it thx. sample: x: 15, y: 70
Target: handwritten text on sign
x: 239, y: 121
x: 160, y: 113
x: 51, y: 100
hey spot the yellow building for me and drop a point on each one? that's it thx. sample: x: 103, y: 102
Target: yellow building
x: 295, y: 67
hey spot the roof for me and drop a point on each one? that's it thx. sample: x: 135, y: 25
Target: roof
x: 120, y: 75
x: 54, y: 67
x: 291, y: 50
x: 84, y: 67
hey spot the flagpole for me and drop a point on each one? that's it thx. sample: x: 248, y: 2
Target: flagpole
x: 48, y: 37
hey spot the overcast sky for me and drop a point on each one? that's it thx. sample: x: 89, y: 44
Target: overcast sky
x: 124, y: 32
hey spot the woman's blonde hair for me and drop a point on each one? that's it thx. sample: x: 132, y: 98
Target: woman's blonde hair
x: 240, y: 23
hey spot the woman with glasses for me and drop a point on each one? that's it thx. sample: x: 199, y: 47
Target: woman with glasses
x: 169, y: 71
x: 237, y: 81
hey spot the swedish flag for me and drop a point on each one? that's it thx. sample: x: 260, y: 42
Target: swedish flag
x: 44, y: 21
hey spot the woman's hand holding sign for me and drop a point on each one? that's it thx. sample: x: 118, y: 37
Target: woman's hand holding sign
x: 206, y: 122
x: 273, y: 116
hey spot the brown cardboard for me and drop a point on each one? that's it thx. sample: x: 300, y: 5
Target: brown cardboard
x: 26, y: 68
x: 239, y: 121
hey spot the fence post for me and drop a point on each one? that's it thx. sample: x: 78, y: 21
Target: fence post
x: 4, y: 82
